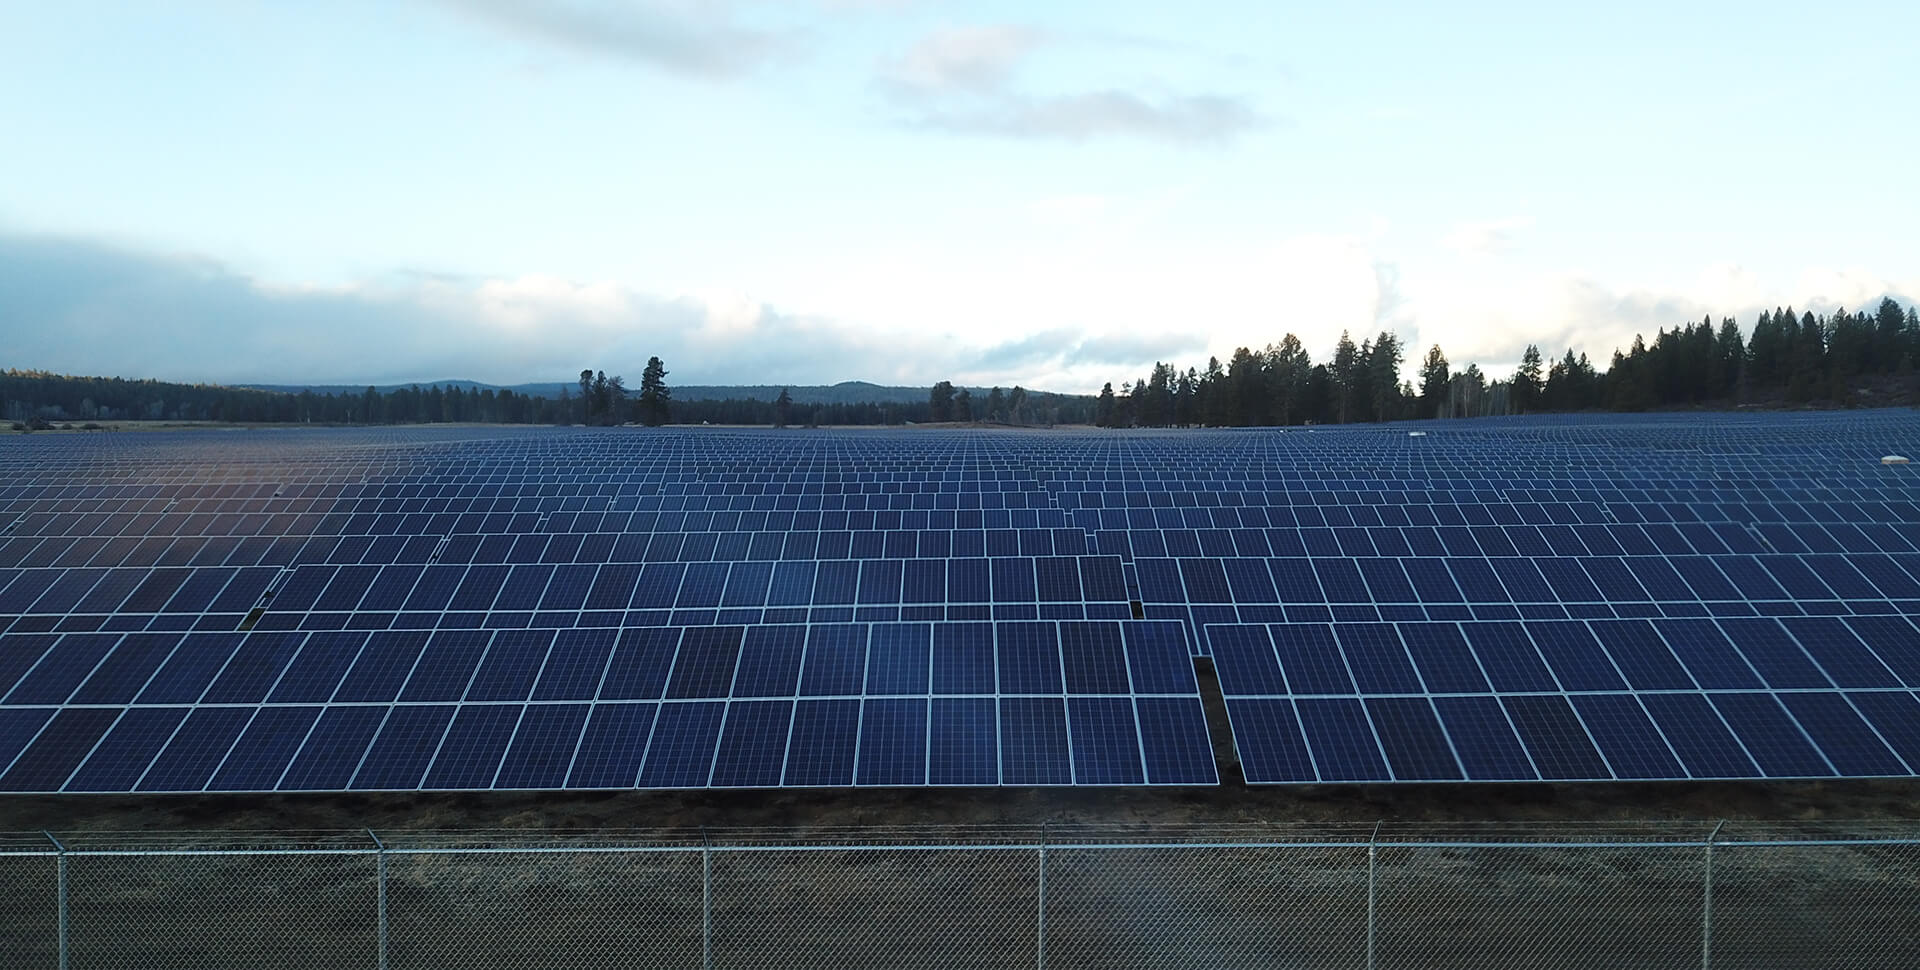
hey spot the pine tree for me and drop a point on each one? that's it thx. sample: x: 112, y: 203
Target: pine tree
x: 1157, y: 407
x: 656, y: 399
x: 1345, y: 375
x: 1527, y: 384
x: 1383, y: 377
x: 1246, y: 382
x: 1215, y: 409
x: 783, y: 408
x: 1103, y: 412
x: 1131, y: 405
x: 1889, y: 326
x: 1434, y: 383
x: 1732, y: 355
x: 940, y: 402
x: 1287, y: 369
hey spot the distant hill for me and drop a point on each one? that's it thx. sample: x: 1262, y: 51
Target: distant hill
x: 845, y: 392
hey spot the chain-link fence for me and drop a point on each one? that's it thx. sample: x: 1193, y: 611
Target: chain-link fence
x: 1494, y: 896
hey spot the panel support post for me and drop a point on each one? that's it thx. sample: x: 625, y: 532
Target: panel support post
x: 1040, y: 954
x: 1373, y: 858
x: 60, y: 888
x: 380, y: 895
x: 1706, y: 901
x: 706, y: 901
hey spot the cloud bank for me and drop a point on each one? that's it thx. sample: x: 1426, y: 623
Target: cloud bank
x: 696, y: 40
x: 962, y: 80
x: 82, y: 307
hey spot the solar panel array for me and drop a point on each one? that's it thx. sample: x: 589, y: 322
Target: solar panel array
x: 329, y: 610
x: 1724, y: 596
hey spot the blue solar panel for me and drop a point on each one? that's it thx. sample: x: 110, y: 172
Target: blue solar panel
x: 753, y: 744
x: 1592, y: 598
x: 1643, y: 719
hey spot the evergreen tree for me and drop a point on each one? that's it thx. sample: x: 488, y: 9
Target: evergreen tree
x: 783, y: 408
x: 1854, y: 344
x: 586, y: 396
x: 996, y: 405
x: 1185, y: 399
x: 1435, y: 384
x: 1216, y: 410
x: 1809, y: 356
x: 1890, y: 333
x: 1527, y: 383
x: 1316, y: 404
x: 963, y: 405
x: 1345, y: 375
x: 1287, y: 369
x: 656, y: 399
x: 1732, y: 355
x: 1246, y: 388
x: 1383, y: 377
x: 1131, y: 405
x: 940, y: 401
x: 1103, y: 412
x: 1466, y: 392
x: 1157, y: 406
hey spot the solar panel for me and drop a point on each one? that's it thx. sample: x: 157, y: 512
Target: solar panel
x: 1594, y: 700
x: 1587, y: 598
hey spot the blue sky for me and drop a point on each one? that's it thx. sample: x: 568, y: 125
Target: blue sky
x: 811, y: 191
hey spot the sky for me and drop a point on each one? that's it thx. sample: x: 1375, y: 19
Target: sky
x: 904, y: 191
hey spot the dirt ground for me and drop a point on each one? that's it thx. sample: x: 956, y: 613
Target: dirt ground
x: 801, y: 810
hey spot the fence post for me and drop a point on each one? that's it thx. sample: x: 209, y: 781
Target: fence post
x: 60, y: 887
x: 1041, y: 953
x: 1706, y: 902
x: 1373, y: 855
x: 706, y: 901
x: 380, y: 875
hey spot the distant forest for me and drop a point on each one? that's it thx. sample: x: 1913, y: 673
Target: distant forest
x: 31, y: 396
x: 1786, y: 358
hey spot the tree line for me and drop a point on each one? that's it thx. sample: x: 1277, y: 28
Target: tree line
x: 604, y: 400
x: 1795, y: 358
x: 29, y: 396
x: 948, y: 403
x: 32, y: 394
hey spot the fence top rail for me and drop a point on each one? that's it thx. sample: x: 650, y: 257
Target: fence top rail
x: 1063, y: 836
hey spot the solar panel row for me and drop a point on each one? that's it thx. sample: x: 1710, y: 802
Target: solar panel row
x: 1594, y: 701
x: 1112, y: 703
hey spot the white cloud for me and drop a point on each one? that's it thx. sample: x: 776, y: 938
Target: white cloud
x: 1489, y: 314
x: 958, y: 80
x: 964, y: 58
x: 691, y: 39
x: 1486, y: 237
x: 1036, y: 313
x: 1199, y: 119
